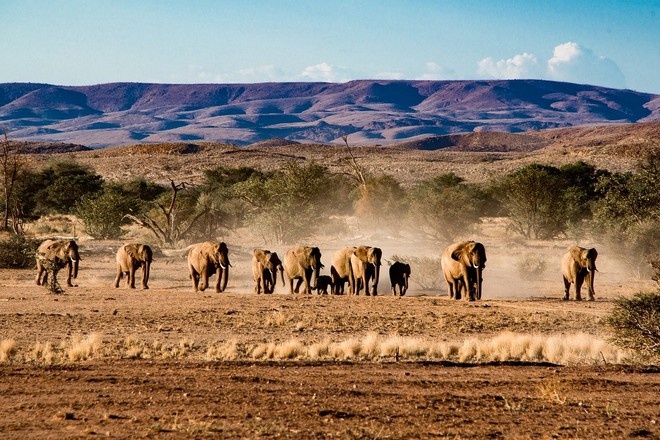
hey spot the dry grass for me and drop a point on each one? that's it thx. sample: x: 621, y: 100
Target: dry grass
x: 568, y: 349
x: 7, y: 349
x: 82, y: 348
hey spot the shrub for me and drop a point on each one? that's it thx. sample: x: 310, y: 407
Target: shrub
x: 103, y: 214
x: 18, y: 252
x: 635, y: 324
x: 531, y: 266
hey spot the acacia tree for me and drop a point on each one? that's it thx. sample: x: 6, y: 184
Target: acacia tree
x: 163, y: 220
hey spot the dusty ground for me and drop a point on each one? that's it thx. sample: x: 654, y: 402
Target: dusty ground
x: 154, y: 374
x: 171, y: 363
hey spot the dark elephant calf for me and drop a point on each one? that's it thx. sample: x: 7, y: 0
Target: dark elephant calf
x: 399, y: 274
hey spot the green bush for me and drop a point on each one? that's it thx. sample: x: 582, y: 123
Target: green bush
x: 635, y: 324
x: 103, y: 214
x: 18, y: 252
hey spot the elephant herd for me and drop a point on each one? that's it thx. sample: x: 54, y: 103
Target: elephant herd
x: 462, y: 266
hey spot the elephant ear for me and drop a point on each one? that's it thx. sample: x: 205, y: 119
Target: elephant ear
x: 275, y: 259
x: 576, y: 253
x: 362, y: 252
x: 259, y: 254
x: 592, y: 254
x: 131, y: 252
x: 457, y: 254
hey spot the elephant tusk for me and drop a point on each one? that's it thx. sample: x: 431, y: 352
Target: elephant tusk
x: 222, y: 266
x: 313, y: 268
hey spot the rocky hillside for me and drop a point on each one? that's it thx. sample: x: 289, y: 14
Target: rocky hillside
x: 372, y: 112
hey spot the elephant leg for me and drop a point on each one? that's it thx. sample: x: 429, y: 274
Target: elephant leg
x: 118, y: 277
x: 131, y: 278
x: 298, y: 283
x: 458, y: 287
x: 578, y: 287
x: 567, y: 286
x: 195, y: 279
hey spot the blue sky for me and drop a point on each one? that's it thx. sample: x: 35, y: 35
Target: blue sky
x: 78, y: 42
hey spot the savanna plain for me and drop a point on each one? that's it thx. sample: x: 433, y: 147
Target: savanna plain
x: 169, y: 362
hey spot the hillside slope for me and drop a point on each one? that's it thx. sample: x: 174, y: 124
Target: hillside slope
x: 372, y: 112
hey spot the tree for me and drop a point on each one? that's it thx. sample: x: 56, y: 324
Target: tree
x: 57, y: 188
x: 163, y: 220
x: 534, y: 201
x: 291, y: 205
x: 445, y: 207
x: 104, y: 213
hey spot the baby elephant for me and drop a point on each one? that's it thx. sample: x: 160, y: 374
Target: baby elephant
x: 399, y: 274
x: 322, y: 284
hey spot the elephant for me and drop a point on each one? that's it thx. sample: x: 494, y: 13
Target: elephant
x: 578, y: 265
x: 205, y: 259
x: 59, y: 253
x: 365, y: 264
x: 265, y: 265
x: 399, y: 274
x: 303, y: 264
x: 462, y: 265
x: 341, y: 271
x: 129, y: 258
x: 322, y: 284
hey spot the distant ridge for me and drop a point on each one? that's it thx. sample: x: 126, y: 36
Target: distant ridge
x: 371, y: 112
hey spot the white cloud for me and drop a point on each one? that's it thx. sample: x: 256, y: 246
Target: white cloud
x: 323, y: 72
x: 523, y: 65
x: 574, y: 63
x: 434, y: 71
x: 570, y: 62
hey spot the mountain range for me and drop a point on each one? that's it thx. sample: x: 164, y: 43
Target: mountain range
x: 373, y: 112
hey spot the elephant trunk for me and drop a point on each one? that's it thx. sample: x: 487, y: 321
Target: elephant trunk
x: 225, y: 277
x: 376, y: 279
x: 591, y: 275
x: 315, y: 276
x: 405, y: 281
x: 479, y: 269
x: 146, y: 268
x: 281, y: 269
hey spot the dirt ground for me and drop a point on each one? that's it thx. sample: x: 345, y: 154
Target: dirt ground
x: 154, y: 372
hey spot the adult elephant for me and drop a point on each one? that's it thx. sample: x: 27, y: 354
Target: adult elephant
x: 399, y: 274
x: 265, y: 265
x: 59, y: 254
x: 462, y: 266
x: 365, y: 264
x: 578, y: 265
x: 130, y: 258
x: 341, y: 271
x: 302, y: 263
x: 206, y: 259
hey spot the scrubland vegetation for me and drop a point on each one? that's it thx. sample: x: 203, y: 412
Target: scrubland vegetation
x: 302, y: 201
